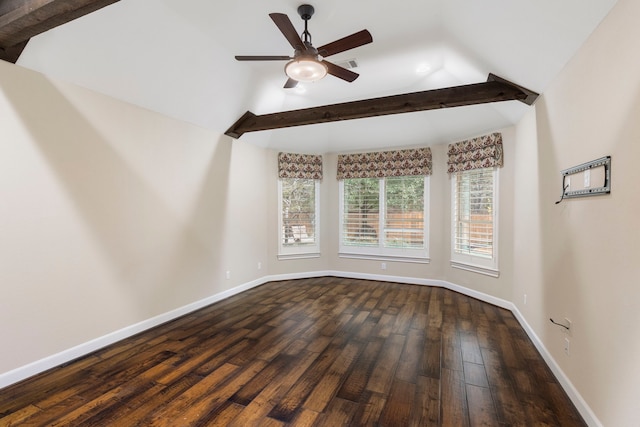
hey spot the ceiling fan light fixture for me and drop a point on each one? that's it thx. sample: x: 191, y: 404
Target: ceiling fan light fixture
x: 306, y: 70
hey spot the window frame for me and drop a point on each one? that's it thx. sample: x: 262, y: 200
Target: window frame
x: 475, y: 263
x: 380, y: 252
x: 298, y: 251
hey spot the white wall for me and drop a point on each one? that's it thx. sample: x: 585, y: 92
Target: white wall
x: 579, y: 259
x: 111, y: 215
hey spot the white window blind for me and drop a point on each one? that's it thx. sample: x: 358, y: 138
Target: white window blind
x: 474, y: 218
x: 474, y: 212
x: 384, y: 217
x: 404, y: 212
x: 361, y: 212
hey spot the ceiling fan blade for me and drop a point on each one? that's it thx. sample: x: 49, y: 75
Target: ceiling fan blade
x: 290, y: 84
x: 262, y: 58
x: 354, y: 40
x: 339, y: 72
x: 283, y: 22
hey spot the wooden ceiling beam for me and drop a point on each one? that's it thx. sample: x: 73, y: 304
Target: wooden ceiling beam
x: 495, y: 89
x: 22, y: 19
x: 11, y: 54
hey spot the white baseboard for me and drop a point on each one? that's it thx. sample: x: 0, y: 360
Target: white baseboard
x: 580, y: 404
x: 83, y: 349
x: 68, y: 355
x: 426, y: 282
x: 584, y: 409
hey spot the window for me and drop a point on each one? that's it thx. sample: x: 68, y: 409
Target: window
x: 298, y: 223
x: 298, y: 205
x: 384, y: 218
x: 474, y: 221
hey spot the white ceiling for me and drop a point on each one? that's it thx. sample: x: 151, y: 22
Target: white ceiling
x: 176, y: 57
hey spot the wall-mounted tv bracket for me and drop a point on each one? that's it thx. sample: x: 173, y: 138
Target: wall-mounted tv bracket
x: 604, y: 162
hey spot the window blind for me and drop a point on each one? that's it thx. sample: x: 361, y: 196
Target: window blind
x: 360, y: 225
x: 404, y: 212
x: 474, y: 213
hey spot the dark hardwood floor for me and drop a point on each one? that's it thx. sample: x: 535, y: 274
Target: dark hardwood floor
x: 326, y: 351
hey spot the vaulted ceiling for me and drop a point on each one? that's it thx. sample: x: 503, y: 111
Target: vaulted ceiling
x: 176, y: 57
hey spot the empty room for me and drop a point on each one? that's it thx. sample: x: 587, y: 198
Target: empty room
x: 276, y: 213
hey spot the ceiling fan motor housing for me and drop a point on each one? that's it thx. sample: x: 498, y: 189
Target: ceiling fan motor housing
x: 309, y: 50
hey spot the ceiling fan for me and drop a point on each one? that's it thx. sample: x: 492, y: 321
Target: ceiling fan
x: 307, y: 63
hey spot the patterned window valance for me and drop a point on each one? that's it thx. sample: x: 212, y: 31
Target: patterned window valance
x: 476, y: 153
x: 385, y: 163
x: 306, y: 166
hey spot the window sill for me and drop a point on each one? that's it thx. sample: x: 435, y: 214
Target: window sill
x: 282, y: 257
x: 475, y: 268
x: 384, y: 257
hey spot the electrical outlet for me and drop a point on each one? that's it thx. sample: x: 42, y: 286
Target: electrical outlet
x: 383, y: 266
x: 567, y: 344
x: 568, y: 323
x: 525, y: 299
x: 228, y: 274
x: 259, y: 265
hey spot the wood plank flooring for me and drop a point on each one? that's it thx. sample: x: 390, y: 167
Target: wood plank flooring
x: 315, y: 352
